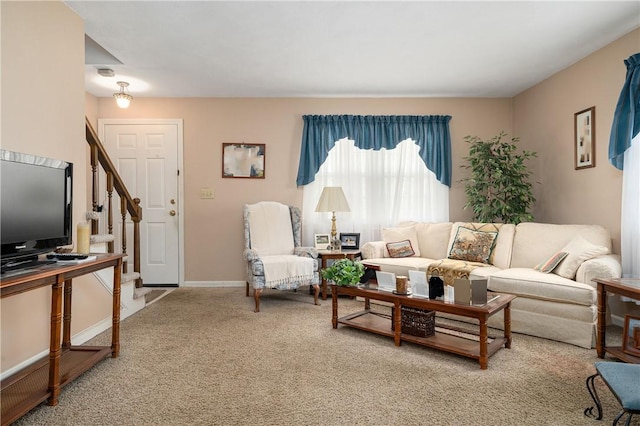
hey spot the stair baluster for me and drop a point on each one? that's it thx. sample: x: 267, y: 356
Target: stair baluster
x: 110, y: 245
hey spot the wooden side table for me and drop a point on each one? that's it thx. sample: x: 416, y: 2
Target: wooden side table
x: 629, y: 287
x: 325, y: 255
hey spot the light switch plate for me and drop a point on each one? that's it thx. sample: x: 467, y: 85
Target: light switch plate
x: 206, y: 193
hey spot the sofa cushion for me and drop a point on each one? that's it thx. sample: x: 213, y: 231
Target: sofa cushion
x: 401, y: 233
x: 400, y: 249
x: 527, y: 282
x: 550, y: 264
x: 433, y: 238
x: 579, y: 251
x: 536, y: 241
x: 400, y: 265
x: 472, y: 245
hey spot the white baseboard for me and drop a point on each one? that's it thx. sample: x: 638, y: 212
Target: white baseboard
x: 617, y: 320
x: 215, y: 284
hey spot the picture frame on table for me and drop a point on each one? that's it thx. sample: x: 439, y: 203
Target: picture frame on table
x: 349, y: 240
x: 631, y: 335
x: 585, y: 138
x: 241, y: 160
x: 322, y: 241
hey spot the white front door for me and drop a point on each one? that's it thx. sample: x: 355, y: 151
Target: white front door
x: 147, y: 155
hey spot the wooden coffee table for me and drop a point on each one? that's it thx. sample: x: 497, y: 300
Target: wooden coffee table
x: 447, y: 338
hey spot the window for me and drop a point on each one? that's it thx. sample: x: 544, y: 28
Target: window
x: 382, y: 187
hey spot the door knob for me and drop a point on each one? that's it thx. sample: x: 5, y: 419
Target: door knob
x: 172, y: 201
x: 172, y: 213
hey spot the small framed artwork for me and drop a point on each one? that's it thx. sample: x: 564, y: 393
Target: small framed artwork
x: 240, y: 160
x: 631, y: 335
x: 322, y: 241
x: 585, y: 138
x: 350, y: 241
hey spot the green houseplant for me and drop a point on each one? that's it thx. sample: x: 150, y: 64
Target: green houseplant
x: 498, y: 189
x: 344, y: 272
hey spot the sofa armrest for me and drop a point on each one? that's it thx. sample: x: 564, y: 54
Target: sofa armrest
x: 607, y: 266
x: 306, y: 252
x: 250, y: 255
x: 373, y: 250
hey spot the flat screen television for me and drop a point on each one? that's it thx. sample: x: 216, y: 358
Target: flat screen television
x: 35, y: 206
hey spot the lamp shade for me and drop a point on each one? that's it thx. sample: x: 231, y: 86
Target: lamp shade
x: 332, y: 199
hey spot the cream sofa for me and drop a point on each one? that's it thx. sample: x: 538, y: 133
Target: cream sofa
x: 559, y: 304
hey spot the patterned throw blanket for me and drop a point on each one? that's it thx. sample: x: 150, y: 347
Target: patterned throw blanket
x: 450, y: 269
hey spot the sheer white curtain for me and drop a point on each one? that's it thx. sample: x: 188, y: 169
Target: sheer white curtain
x: 630, y: 227
x: 382, y: 187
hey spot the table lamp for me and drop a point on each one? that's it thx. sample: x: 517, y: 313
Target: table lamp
x: 333, y: 200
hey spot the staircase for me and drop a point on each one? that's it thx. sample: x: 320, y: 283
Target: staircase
x: 102, y: 220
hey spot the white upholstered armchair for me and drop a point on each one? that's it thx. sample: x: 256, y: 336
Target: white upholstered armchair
x: 272, y: 250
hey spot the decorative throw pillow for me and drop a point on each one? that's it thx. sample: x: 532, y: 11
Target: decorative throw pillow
x: 400, y: 249
x: 394, y: 235
x: 550, y: 264
x: 580, y: 250
x: 472, y: 246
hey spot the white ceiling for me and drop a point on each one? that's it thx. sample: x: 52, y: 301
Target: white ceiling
x: 343, y: 48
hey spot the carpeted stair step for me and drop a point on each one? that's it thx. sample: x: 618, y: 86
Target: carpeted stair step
x: 101, y: 238
x: 140, y: 292
x: 129, y: 276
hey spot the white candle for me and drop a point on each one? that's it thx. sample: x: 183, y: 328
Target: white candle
x: 84, y: 234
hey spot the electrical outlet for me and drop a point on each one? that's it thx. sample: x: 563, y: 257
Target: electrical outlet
x: 206, y: 193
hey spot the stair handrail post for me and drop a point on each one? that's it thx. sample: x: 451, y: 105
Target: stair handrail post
x: 110, y: 244
x: 136, y: 242
x: 94, y: 188
x: 123, y: 236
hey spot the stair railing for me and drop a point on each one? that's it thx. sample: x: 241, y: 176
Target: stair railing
x: 128, y: 204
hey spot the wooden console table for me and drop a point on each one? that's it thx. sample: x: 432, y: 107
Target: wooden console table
x: 622, y: 287
x: 43, y: 379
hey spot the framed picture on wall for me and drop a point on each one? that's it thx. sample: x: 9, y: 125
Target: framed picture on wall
x: 240, y: 160
x: 585, y: 138
x: 631, y: 335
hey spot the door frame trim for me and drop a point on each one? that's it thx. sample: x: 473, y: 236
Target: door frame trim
x: 102, y: 122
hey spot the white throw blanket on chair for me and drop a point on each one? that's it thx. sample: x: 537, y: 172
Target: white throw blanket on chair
x: 272, y: 238
x: 287, y: 269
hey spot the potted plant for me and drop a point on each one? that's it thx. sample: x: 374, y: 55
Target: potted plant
x: 344, y: 272
x: 498, y: 189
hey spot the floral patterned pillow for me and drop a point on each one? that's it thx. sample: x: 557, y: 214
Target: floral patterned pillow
x: 472, y: 245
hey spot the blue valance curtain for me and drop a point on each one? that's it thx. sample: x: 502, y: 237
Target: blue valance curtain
x: 626, y: 120
x: 429, y: 132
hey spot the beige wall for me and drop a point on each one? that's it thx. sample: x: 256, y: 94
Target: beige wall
x: 543, y: 117
x: 213, y: 228
x: 43, y: 102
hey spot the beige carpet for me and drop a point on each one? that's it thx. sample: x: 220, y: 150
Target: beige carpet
x: 202, y: 357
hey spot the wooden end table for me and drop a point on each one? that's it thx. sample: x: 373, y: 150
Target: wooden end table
x: 629, y: 287
x: 325, y: 255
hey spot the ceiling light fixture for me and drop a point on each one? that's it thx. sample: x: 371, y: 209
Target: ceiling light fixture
x: 123, y: 99
x: 106, y: 72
